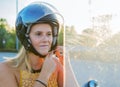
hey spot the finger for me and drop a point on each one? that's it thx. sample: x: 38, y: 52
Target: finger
x: 49, y: 55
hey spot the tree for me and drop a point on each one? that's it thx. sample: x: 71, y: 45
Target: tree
x: 88, y: 38
x: 7, y: 35
x: 71, y: 36
x: 2, y: 32
x: 61, y: 36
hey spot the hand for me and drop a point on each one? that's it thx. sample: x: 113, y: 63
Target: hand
x: 49, y: 63
x: 48, y: 68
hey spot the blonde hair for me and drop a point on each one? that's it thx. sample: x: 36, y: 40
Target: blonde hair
x: 21, y: 60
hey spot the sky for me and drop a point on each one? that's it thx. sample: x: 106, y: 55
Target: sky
x: 76, y: 13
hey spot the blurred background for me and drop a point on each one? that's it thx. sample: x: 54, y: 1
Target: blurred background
x: 92, y: 37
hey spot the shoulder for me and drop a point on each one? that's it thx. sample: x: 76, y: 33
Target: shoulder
x: 5, y: 73
x: 7, y: 69
x: 7, y: 76
x: 4, y: 68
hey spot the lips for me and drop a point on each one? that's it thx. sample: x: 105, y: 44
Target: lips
x: 43, y: 46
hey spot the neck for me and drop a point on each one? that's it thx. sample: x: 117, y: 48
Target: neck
x: 36, y: 61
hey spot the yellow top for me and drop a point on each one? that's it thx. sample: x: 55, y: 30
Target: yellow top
x: 27, y: 79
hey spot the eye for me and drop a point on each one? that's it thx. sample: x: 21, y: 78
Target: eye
x: 49, y: 34
x: 38, y: 33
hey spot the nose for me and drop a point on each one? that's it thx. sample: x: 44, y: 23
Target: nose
x: 45, y: 38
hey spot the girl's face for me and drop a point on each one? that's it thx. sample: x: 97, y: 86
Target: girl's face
x: 41, y: 38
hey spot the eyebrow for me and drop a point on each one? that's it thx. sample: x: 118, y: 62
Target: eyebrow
x: 41, y: 31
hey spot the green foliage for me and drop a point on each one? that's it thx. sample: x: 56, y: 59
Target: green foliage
x: 71, y: 36
x: 11, y: 40
x: 7, y: 36
x: 2, y: 33
x: 61, y: 37
x: 97, y: 43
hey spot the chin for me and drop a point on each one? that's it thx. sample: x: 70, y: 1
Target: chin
x: 44, y: 53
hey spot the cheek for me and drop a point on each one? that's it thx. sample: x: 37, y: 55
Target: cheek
x: 51, y: 40
x: 34, y: 41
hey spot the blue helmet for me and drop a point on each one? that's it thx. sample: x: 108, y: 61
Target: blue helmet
x: 39, y: 12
